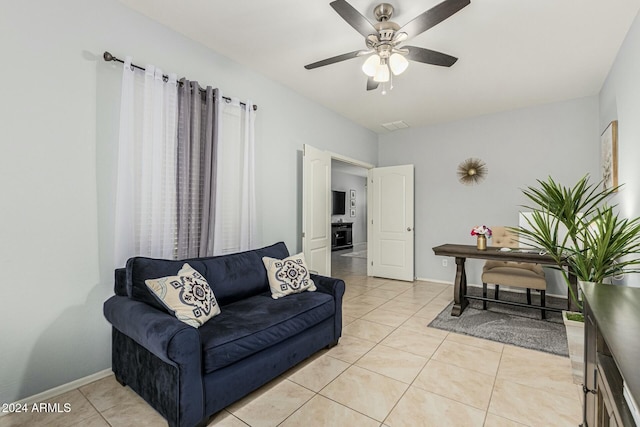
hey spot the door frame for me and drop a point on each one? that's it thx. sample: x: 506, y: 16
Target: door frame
x: 365, y: 165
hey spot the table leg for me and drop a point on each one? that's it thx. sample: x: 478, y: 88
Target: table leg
x: 460, y: 302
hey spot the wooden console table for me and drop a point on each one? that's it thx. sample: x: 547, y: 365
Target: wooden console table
x: 612, y: 351
x: 462, y: 252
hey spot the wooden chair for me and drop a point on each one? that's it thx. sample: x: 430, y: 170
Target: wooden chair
x: 509, y: 273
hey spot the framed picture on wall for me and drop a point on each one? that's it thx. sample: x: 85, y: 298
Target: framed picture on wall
x: 353, y: 212
x: 352, y: 194
x: 609, y: 155
x: 353, y: 203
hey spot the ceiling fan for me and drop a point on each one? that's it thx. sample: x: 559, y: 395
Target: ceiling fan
x: 383, y: 40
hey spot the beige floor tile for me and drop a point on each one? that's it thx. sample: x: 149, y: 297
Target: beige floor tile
x: 416, y: 299
x: 366, y: 330
x: 372, y: 300
x: 420, y: 325
x: 225, y: 419
x: 94, y: 421
x: 322, y: 412
x: 429, y: 311
x: 350, y: 349
x: 422, y: 408
x: 384, y: 293
x: 136, y: 409
x: 395, y: 285
x: 465, y: 356
x: 386, y: 317
x: 413, y: 342
x: 273, y: 406
x: 403, y: 307
x: 107, y: 393
x: 536, y: 369
x: 317, y: 374
x: 476, y: 342
x: 460, y: 384
x: 530, y: 406
x: 493, y: 420
x: 347, y: 319
x: 369, y: 393
x: 391, y: 362
x: 61, y: 411
x: 355, y: 308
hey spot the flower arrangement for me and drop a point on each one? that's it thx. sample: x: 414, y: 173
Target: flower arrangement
x: 481, y: 230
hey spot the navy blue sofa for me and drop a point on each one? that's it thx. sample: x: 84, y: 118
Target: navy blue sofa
x: 188, y: 374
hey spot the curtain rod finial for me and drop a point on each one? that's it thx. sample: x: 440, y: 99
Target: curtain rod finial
x: 107, y: 56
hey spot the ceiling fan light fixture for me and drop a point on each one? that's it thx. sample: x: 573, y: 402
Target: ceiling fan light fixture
x: 370, y: 65
x: 398, y: 63
x: 382, y: 72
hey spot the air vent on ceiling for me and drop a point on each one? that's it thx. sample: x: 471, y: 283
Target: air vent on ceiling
x: 391, y: 126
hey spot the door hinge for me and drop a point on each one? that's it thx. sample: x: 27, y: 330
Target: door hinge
x: 303, y: 234
x: 371, y: 263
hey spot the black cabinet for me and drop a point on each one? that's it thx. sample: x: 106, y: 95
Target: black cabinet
x: 612, y: 351
x: 341, y: 235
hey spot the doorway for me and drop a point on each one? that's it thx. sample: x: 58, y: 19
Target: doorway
x: 349, y: 209
x: 387, y: 214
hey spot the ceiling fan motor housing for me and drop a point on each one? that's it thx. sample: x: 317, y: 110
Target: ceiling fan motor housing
x: 383, y: 12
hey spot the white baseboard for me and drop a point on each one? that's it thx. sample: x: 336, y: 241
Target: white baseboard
x: 56, y: 391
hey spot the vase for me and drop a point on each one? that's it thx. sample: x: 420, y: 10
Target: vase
x: 482, y: 242
x: 575, y: 343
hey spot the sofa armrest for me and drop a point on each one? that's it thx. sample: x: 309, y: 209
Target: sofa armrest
x: 335, y: 287
x: 162, y: 334
x: 329, y: 285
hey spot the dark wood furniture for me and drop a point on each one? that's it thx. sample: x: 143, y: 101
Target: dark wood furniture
x: 341, y: 235
x: 611, y: 352
x: 462, y: 252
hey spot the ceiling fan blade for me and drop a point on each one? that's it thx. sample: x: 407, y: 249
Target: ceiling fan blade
x: 333, y: 60
x: 372, y: 84
x: 433, y: 16
x: 353, y: 17
x: 427, y: 56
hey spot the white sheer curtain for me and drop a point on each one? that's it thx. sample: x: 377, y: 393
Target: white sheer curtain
x: 235, y: 208
x: 145, y: 200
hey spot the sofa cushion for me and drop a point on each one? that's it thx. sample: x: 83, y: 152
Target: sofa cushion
x: 187, y: 295
x: 256, y: 323
x: 288, y: 276
x: 231, y: 277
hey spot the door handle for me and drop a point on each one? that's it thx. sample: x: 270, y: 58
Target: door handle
x: 408, y: 228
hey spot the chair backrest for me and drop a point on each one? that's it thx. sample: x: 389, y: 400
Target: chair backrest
x: 503, y: 237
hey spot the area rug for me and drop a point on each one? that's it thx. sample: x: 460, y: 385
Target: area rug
x: 356, y: 254
x: 507, y: 324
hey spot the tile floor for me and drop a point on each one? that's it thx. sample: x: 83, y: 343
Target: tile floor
x: 389, y: 369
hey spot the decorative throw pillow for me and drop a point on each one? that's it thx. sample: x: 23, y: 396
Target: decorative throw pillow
x: 288, y: 276
x: 188, y: 295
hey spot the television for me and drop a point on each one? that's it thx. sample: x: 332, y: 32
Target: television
x: 338, y: 202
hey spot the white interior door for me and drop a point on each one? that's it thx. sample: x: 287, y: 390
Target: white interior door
x: 316, y: 214
x: 391, y: 222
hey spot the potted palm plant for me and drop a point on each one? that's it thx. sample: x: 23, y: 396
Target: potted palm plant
x: 584, y: 236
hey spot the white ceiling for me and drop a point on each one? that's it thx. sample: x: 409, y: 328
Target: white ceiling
x: 512, y: 53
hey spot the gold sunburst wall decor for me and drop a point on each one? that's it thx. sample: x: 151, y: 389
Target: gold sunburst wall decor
x: 472, y: 171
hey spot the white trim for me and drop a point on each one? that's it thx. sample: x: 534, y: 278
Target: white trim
x: 345, y: 159
x: 56, y: 391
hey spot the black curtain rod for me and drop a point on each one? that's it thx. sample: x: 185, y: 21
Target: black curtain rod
x: 108, y: 57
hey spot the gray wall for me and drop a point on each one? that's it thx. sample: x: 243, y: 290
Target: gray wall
x: 520, y: 146
x: 346, y: 182
x: 59, y: 110
x: 620, y: 100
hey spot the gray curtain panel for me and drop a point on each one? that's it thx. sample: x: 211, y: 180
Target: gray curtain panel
x: 196, y: 176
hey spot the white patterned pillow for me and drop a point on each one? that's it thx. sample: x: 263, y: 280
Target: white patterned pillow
x: 188, y: 295
x: 288, y: 276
